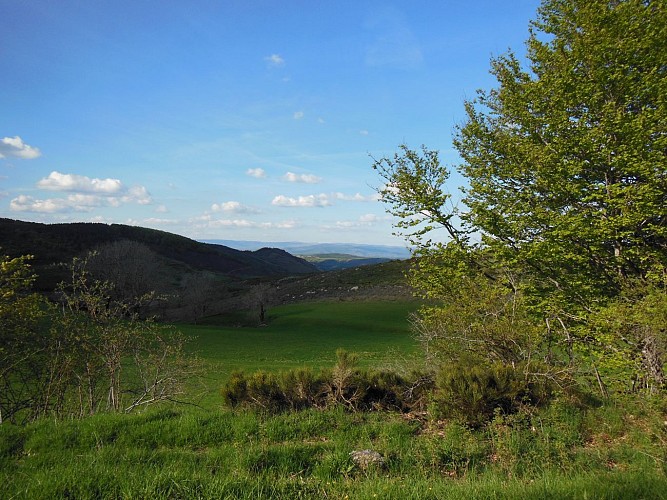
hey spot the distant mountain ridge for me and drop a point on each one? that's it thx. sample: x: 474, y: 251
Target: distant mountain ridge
x: 313, y: 249
x: 56, y: 243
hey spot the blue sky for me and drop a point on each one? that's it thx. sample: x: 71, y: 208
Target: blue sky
x: 246, y: 120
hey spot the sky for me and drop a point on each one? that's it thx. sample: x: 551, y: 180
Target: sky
x: 235, y: 119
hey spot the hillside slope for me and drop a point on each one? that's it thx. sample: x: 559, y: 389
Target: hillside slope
x: 56, y: 243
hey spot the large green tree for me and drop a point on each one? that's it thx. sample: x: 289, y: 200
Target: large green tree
x: 566, y: 202
x: 567, y: 159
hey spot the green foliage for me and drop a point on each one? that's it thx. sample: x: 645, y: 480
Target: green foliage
x: 566, y: 159
x: 630, y: 337
x: 476, y: 393
x: 344, y: 385
x: 22, y: 339
x: 565, y: 201
x: 90, y: 354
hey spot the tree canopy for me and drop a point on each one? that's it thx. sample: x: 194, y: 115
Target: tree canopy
x: 566, y: 199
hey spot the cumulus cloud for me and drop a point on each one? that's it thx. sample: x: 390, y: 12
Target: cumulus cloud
x: 258, y: 173
x: 298, y: 115
x: 275, y: 60
x: 138, y: 194
x: 320, y: 200
x: 84, y: 194
x: 80, y: 183
x: 71, y: 203
x: 305, y: 178
x: 15, y: 147
x: 24, y: 203
x: 232, y: 207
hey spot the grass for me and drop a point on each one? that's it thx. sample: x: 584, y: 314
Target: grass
x: 301, y: 335
x: 190, y: 453
x: 615, y: 450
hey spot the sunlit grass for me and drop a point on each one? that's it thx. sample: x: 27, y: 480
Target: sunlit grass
x: 301, y: 335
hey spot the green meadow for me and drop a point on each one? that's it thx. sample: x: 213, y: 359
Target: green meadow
x: 301, y: 335
x: 210, y: 451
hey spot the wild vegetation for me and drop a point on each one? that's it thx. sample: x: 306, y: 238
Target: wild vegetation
x: 531, y: 366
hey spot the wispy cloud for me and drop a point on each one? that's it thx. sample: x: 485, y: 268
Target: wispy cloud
x: 275, y: 61
x: 298, y: 115
x: 258, y: 173
x: 356, y: 197
x: 394, y: 44
x: 304, y: 178
x: 15, y: 147
x: 233, y: 207
x: 363, y: 221
x: 320, y: 200
x: 212, y: 223
x: 154, y: 221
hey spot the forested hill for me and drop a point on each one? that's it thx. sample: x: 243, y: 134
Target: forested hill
x: 56, y: 243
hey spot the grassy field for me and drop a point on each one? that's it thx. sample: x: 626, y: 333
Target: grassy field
x: 192, y: 453
x: 562, y: 451
x: 301, y: 335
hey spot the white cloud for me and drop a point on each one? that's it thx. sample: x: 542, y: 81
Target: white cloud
x: 275, y: 60
x: 298, y: 115
x: 355, y: 197
x: 363, y: 221
x: 232, y: 207
x: 305, y: 178
x: 24, y: 203
x: 84, y: 194
x: 320, y: 120
x: 71, y: 203
x: 258, y: 173
x: 79, y: 183
x: 160, y: 222
x: 14, y: 146
x: 320, y: 200
x: 82, y: 184
x: 138, y: 194
x: 248, y: 224
x: 363, y: 132
x: 161, y: 209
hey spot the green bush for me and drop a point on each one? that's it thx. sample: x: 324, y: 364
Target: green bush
x: 344, y: 385
x: 475, y: 393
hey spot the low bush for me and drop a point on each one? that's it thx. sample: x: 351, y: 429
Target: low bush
x: 343, y: 385
x: 473, y: 394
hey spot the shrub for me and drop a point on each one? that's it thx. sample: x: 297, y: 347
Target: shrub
x: 475, y: 393
x: 344, y: 385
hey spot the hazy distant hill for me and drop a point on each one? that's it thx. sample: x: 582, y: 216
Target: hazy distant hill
x: 55, y: 243
x: 304, y: 249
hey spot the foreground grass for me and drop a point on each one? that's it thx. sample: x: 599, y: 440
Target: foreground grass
x: 300, y: 335
x: 189, y: 453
